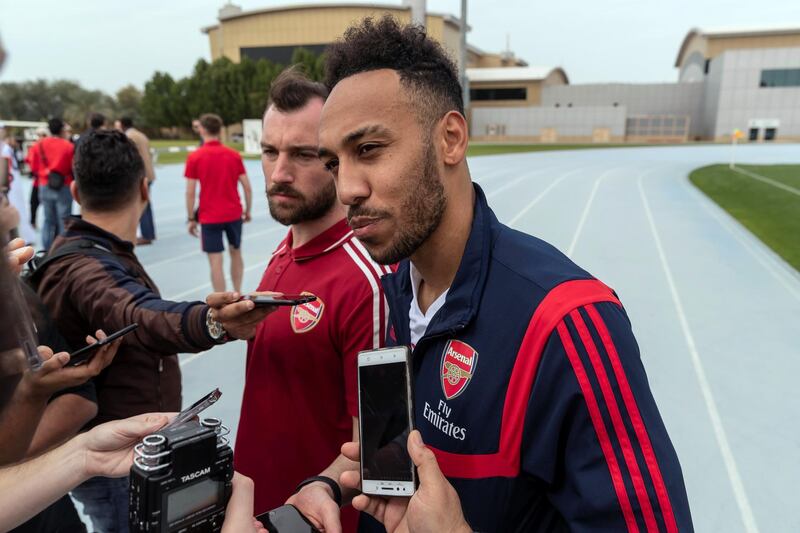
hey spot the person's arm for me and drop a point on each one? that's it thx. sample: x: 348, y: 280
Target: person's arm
x: 24, y: 412
x: 106, y: 450
x: 191, y: 192
x: 599, y: 443
x: 144, y: 151
x: 248, y: 196
x: 105, y: 293
x: 62, y: 419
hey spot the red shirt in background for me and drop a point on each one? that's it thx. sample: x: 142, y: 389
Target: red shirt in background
x: 58, y: 152
x: 300, y: 392
x: 217, y: 168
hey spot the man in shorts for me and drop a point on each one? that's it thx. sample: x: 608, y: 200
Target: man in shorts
x: 219, y: 170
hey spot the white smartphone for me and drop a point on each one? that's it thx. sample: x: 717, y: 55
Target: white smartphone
x: 385, y: 420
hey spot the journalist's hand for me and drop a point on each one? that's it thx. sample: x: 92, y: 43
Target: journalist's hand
x: 239, y: 318
x: 108, y: 448
x: 54, y: 376
x: 239, y: 513
x: 19, y: 254
x: 315, y: 501
x: 434, y: 508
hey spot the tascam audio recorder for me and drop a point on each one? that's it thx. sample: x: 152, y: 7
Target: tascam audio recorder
x: 529, y: 388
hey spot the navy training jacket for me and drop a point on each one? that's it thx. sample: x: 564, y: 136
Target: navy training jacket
x: 529, y: 387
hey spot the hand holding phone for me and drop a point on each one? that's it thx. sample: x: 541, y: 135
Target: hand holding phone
x: 82, y: 356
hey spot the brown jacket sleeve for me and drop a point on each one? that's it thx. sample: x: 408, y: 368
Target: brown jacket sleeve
x: 107, y: 296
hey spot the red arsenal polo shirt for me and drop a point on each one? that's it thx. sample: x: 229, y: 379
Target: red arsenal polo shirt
x: 58, y: 152
x: 218, y: 168
x: 300, y: 391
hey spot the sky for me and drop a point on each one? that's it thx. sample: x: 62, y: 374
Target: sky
x: 108, y: 44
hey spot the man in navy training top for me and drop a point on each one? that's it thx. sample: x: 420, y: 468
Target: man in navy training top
x: 529, y: 390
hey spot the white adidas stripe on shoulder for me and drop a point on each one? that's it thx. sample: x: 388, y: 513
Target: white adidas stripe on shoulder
x: 376, y: 293
x: 279, y: 250
x: 337, y: 243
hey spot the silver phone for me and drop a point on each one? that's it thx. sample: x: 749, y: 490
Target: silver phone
x: 385, y: 419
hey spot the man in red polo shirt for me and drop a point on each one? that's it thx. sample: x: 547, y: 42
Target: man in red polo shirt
x: 300, y: 398
x: 51, y: 162
x: 219, y: 170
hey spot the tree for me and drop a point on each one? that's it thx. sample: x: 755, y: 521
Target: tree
x: 129, y: 102
x: 157, y: 104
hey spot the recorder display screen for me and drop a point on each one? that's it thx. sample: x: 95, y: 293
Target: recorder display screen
x: 384, y: 422
x: 189, y: 500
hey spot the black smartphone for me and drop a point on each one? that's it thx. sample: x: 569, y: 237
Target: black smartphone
x: 286, y: 519
x: 82, y: 356
x: 262, y: 300
x: 385, y: 420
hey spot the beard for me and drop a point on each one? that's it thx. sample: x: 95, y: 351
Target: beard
x: 309, y: 208
x: 420, y: 213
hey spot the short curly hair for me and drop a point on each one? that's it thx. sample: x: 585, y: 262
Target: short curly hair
x: 425, y: 69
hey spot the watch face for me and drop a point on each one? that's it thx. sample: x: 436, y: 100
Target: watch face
x: 215, y: 328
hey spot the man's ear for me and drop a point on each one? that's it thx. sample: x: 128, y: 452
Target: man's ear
x: 73, y: 188
x: 454, y: 138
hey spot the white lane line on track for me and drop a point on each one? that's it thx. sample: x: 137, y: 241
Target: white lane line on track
x: 185, y: 361
x: 746, y: 512
x: 514, y: 182
x: 200, y: 251
x: 541, y: 195
x: 766, y: 258
x: 768, y: 181
x: 585, y: 213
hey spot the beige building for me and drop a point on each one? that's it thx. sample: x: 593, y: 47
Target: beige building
x: 700, y: 47
x: 274, y: 33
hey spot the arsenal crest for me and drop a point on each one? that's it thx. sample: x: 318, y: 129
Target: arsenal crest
x: 305, y: 317
x: 458, y: 365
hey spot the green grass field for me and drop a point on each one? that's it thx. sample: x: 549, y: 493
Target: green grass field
x: 771, y: 213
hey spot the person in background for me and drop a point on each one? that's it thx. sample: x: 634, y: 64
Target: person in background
x: 218, y: 170
x: 41, y: 133
x: 51, y: 161
x: 147, y: 226
x: 16, y: 194
x: 196, y: 130
x: 95, y: 121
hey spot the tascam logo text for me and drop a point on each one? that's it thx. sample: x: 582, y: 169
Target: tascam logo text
x: 195, y: 475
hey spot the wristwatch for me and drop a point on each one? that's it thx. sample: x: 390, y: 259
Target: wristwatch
x: 215, y: 328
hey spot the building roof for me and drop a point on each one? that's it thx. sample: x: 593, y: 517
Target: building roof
x: 721, y: 32
x: 512, y: 74
x: 234, y: 14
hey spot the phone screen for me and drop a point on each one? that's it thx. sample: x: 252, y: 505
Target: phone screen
x: 385, y: 424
